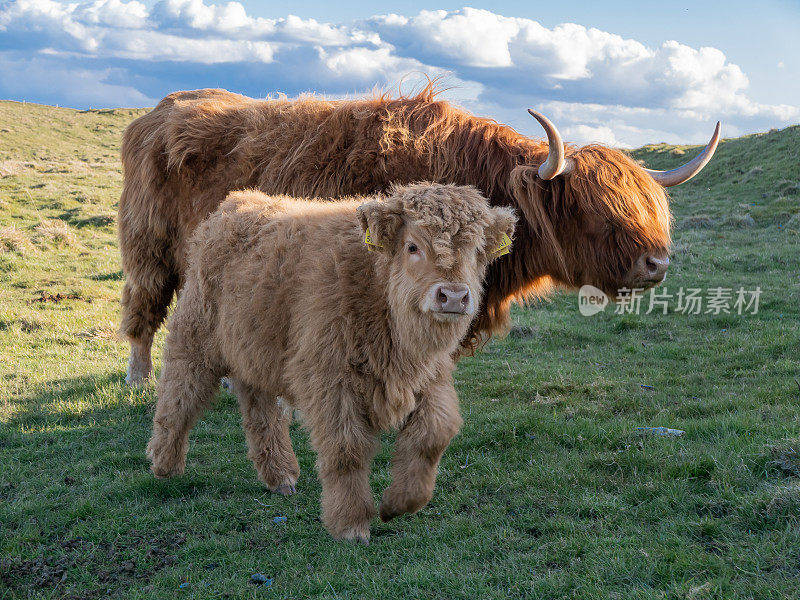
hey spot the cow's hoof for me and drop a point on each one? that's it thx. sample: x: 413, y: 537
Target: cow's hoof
x: 356, y: 535
x: 138, y: 372
x: 139, y: 366
x: 136, y: 379
x: 285, y: 489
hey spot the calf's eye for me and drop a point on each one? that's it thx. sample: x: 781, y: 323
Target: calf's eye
x: 412, y: 248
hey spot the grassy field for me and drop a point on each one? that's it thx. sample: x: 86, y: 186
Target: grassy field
x: 550, y: 491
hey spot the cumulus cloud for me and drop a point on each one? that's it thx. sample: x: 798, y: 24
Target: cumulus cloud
x: 598, y: 86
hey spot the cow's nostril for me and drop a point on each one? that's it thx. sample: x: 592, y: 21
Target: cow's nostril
x: 654, y: 267
x: 453, y: 298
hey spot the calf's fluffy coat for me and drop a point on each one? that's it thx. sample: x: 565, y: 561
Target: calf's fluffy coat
x: 285, y: 298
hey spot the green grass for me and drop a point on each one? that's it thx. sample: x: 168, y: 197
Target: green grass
x: 548, y: 492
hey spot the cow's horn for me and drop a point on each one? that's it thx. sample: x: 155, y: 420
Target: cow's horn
x: 555, y: 163
x: 693, y: 167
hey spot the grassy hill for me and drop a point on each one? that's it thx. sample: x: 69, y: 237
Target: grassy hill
x: 550, y: 491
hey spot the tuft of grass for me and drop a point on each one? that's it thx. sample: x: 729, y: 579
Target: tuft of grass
x: 57, y: 233
x: 697, y: 222
x: 109, y: 331
x: 754, y: 172
x: 739, y: 221
x: 14, y: 240
x: 786, y: 457
x: 13, y: 167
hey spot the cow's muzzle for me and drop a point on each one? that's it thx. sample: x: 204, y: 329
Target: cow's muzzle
x: 649, y: 270
x: 449, y: 300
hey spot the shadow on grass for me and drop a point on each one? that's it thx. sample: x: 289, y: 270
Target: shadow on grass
x: 96, y: 399
x: 114, y: 276
x: 96, y: 422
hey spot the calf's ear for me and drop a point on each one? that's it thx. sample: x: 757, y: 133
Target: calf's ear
x: 382, y: 222
x: 500, y: 232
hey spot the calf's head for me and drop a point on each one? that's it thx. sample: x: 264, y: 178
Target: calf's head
x: 435, y: 242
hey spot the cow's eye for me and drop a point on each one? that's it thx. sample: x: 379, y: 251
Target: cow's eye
x: 412, y: 248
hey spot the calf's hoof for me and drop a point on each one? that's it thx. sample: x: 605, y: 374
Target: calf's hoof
x: 165, y: 462
x: 394, y: 503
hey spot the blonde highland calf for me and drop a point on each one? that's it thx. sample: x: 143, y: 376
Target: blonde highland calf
x: 287, y: 298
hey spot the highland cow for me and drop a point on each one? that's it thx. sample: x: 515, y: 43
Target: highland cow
x: 286, y: 298
x: 591, y: 215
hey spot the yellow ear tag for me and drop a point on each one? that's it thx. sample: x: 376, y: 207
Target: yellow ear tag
x: 503, y: 248
x: 370, y: 242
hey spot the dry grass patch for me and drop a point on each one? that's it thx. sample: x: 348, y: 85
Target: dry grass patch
x: 754, y: 172
x: 787, y: 457
x: 101, y: 332
x: 57, y: 233
x: 697, y: 222
x: 12, y: 167
x: 740, y: 221
x: 14, y: 240
x: 30, y: 325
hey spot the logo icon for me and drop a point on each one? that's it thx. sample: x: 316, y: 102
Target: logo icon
x: 591, y: 300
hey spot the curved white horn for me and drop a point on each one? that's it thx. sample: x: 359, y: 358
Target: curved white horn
x: 693, y: 167
x: 554, y: 165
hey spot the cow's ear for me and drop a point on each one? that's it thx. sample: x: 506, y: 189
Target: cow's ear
x: 534, y: 198
x: 500, y: 233
x: 381, y: 222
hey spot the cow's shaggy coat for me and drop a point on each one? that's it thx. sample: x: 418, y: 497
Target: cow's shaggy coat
x: 182, y: 158
x: 284, y: 297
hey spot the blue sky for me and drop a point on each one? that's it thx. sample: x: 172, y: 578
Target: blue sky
x: 623, y: 73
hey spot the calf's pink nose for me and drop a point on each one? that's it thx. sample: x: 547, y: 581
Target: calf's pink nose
x: 452, y: 298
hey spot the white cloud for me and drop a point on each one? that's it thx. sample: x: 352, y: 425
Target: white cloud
x: 114, y: 13
x: 37, y: 79
x: 596, y: 85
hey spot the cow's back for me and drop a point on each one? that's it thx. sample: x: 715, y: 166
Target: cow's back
x: 182, y: 158
x: 267, y: 267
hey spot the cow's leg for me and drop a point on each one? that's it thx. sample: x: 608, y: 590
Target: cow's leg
x: 150, y: 282
x: 419, y: 447
x: 345, y: 446
x: 266, y: 426
x: 186, y: 388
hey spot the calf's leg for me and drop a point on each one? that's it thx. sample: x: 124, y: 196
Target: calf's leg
x: 266, y: 427
x: 419, y: 447
x: 345, y: 446
x: 186, y: 388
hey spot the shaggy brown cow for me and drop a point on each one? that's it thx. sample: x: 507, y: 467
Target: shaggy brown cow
x: 592, y: 216
x: 284, y: 296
